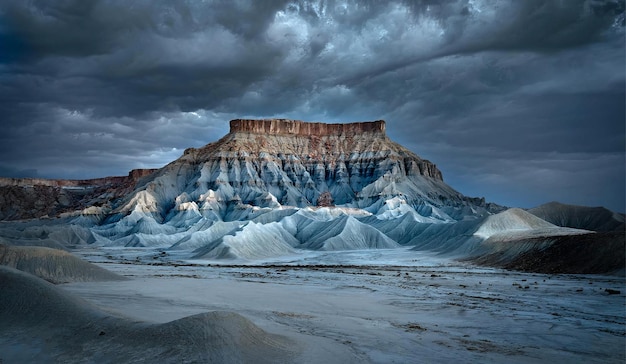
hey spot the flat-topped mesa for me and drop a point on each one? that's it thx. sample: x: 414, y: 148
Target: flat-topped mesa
x: 297, y: 127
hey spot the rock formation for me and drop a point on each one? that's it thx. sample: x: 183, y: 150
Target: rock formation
x: 26, y: 198
x: 270, y: 187
x: 297, y: 127
x: 285, y: 184
x: 296, y: 162
x: 265, y: 188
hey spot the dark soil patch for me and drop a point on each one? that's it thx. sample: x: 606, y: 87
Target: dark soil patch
x: 597, y: 253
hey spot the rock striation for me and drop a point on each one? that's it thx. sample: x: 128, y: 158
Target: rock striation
x: 298, y: 127
x: 294, y: 163
x: 272, y: 187
x: 133, y: 176
x: 27, y: 198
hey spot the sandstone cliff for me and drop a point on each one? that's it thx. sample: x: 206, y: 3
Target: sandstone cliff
x: 26, y: 198
x: 301, y: 128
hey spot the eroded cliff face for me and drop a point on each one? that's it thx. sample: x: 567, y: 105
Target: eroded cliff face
x: 301, y: 128
x: 27, y: 198
x: 264, y: 189
x: 280, y: 162
x: 132, y: 177
x: 265, y: 163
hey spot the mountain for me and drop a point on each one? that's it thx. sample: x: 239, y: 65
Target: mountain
x: 272, y: 187
x: 274, y: 163
x: 319, y: 183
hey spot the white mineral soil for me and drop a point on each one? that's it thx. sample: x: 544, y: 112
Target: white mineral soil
x: 381, y: 306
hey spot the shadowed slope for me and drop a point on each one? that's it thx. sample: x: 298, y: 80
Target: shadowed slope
x: 580, y: 217
x: 595, y: 253
x: 53, y: 265
x: 42, y: 323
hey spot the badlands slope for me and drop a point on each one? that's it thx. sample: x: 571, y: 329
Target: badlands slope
x: 277, y: 187
x: 53, y: 265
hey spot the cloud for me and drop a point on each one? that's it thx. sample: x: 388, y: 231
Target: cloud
x: 100, y: 87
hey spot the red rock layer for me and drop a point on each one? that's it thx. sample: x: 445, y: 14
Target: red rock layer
x: 297, y: 127
x: 132, y: 177
x: 27, y: 198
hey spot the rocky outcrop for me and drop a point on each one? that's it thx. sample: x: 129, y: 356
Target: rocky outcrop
x: 132, y: 177
x: 301, y: 128
x: 265, y: 163
x: 27, y: 198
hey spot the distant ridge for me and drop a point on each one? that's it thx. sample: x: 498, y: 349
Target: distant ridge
x: 132, y: 176
x: 27, y: 198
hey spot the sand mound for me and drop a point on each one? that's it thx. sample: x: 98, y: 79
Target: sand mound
x: 28, y: 300
x: 42, y: 323
x: 53, y: 265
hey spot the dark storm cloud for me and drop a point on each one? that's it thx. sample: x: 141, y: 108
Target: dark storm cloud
x: 497, y: 92
x: 115, y: 59
x: 535, y: 25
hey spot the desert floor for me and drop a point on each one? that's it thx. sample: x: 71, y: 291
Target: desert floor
x: 383, y: 306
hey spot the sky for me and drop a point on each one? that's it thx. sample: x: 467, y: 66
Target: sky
x: 520, y: 102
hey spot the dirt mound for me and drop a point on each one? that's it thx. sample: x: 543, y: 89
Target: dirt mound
x: 53, y: 265
x: 580, y: 217
x: 43, y: 323
x: 596, y: 253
